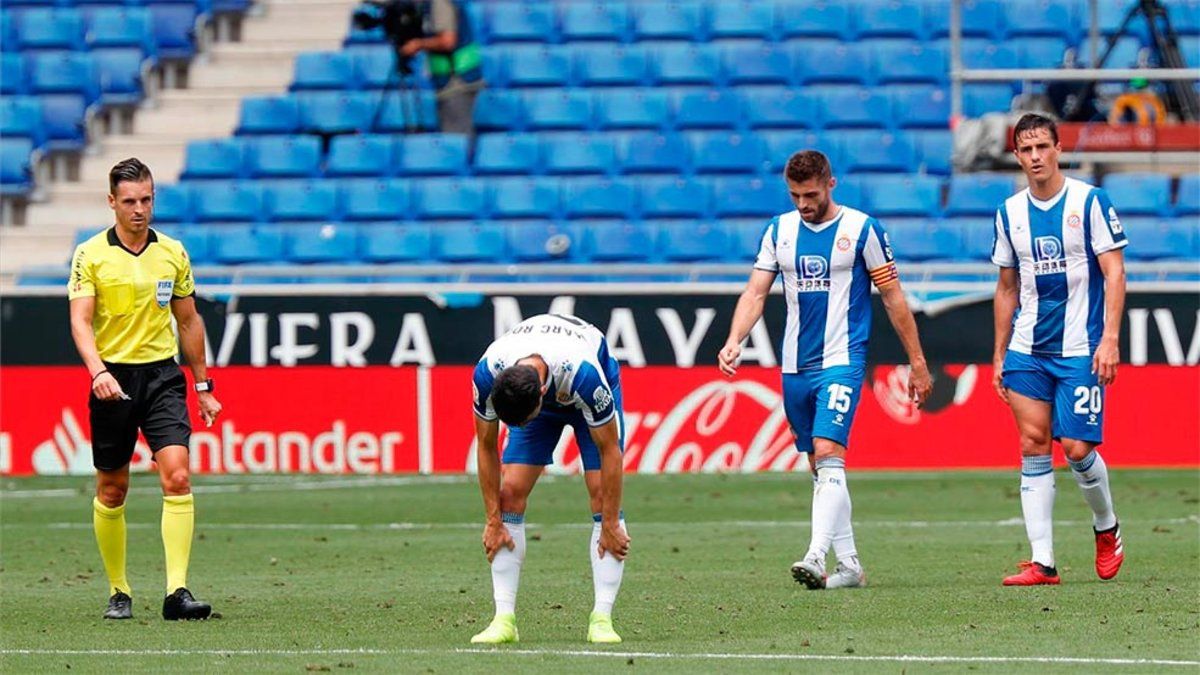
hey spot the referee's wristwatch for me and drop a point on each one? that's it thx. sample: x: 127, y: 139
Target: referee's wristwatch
x: 206, y: 385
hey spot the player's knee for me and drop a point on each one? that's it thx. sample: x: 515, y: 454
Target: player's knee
x: 1035, y: 442
x: 824, y: 449
x: 111, y: 495
x: 1076, y: 451
x: 177, y: 482
x: 511, y: 502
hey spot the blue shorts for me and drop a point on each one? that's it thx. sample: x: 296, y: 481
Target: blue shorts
x: 821, y: 403
x: 1068, y: 384
x: 534, y: 442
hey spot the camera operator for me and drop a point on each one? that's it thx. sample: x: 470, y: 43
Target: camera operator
x: 454, y: 62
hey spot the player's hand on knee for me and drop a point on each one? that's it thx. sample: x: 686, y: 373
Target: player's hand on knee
x: 613, y: 540
x: 728, y: 359
x: 495, y: 536
x: 106, y: 387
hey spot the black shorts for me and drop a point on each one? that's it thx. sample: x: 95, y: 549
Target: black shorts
x: 157, y: 405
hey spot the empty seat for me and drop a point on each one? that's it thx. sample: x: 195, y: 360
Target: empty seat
x: 541, y: 241
x: 618, y: 242
x: 980, y: 18
x: 593, y: 197
x: 524, y: 198
x: 49, y: 28
x: 300, y: 200
x: 578, y: 153
x: 63, y: 125
x: 979, y: 53
x: 815, y: 19
x: 594, y: 21
x: 742, y: 19
x: 633, y: 109
x: 411, y: 243
x: 449, y: 198
x: 226, y: 201
x: 64, y: 73
x: 1140, y: 193
x: 598, y: 65
x: 216, y: 158
x: 686, y: 63
x: 323, y: 70
x: 12, y: 75
x: 1188, y: 199
x: 757, y: 64
x: 374, y: 199
x: 336, y: 112
x: 924, y: 239
x: 980, y: 99
x: 1044, y: 18
x: 911, y: 61
x: 537, y: 66
x: 669, y: 20
x: 174, y: 30
x: 326, y: 243
x: 935, y: 148
x: 120, y: 74
x: 919, y: 106
x: 196, y: 240
x: 740, y: 196
x: 559, y: 109
x: 121, y: 27
x: 977, y: 235
x: 978, y: 194
x: 851, y: 107
x: 172, y: 204
x: 409, y: 112
x: 876, y: 152
x: 21, y: 117
x: 910, y: 195
x: 499, y: 110
x: 469, y: 242
x: 360, y: 155
x: 16, y: 174
x: 783, y: 144
x: 849, y: 191
x: 745, y: 237
x: 722, y: 152
x: 374, y: 67
x: 779, y: 108
x: 247, y: 244
x: 1039, y: 52
x: 823, y: 61
x: 891, y: 19
x: 520, y: 22
x: 432, y: 154
x: 674, y: 197
x: 684, y: 241
x: 269, y: 115
x: 707, y: 109
x: 283, y: 156
x: 649, y: 152
x: 507, y: 153
x: 1161, y: 239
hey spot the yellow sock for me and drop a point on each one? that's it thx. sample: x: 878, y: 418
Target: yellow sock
x: 178, y: 521
x: 109, y: 524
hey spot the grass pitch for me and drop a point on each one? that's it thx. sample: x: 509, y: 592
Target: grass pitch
x: 387, y: 574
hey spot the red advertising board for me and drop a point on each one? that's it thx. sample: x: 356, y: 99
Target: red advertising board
x: 378, y: 419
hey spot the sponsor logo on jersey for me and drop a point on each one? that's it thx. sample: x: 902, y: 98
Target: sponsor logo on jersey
x: 1048, y: 256
x: 602, y: 397
x: 1114, y: 223
x: 163, y: 292
x: 813, y: 274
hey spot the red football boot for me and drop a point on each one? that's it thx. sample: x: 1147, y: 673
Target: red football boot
x: 1110, y: 552
x: 1033, y: 574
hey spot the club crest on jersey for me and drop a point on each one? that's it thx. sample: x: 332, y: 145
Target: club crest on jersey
x: 843, y: 243
x: 1114, y: 223
x: 163, y: 292
x: 1074, y: 220
x: 813, y: 273
x: 1048, y: 256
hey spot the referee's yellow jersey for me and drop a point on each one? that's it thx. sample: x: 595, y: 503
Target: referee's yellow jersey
x: 133, y: 294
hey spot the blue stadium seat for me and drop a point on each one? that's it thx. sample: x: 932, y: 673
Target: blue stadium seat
x: 540, y: 241
x: 449, y: 198
x: 686, y: 63
x: 1136, y: 193
x: 594, y: 197
x: 978, y: 194
x: 739, y: 196
x: 16, y: 175
x: 922, y: 239
x: 618, y: 242
x: 779, y: 108
x: 121, y: 27
x: 499, y: 110
x: 1165, y: 239
x: 269, y: 115
x: 649, y: 153
x: 196, y: 240
x: 283, y: 157
x: 757, y: 64
x: 507, y: 153
x: 49, y: 28
x: 782, y: 144
x: 919, y: 106
x: 823, y: 61
x: 745, y: 236
x: 706, y: 108
x: 980, y: 18
x: 849, y: 191
x: 742, y: 19
x: 578, y: 153
x: 173, y: 203
x: 247, y: 244
x: 935, y: 148
x: 851, y: 107
x: 64, y: 73
x: 326, y: 243
x: 909, y: 195
x: 323, y: 71
x: 980, y: 53
x: 979, y: 99
x: 871, y: 151
x: 1039, y: 52
x: 410, y: 243
x: 633, y: 109
x: 120, y: 73
x: 1185, y: 17
x: 432, y: 155
x: 226, y: 201
x: 537, y: 66
x: 1188, y: 199
x: 977, y: 235
x: 722, y: 152
x: 674, y: 197
x: 8, y: 32
x: 21, y: 117
x: 594, y: 21
x: 558, y: 109
x: 374, y: 199
x: 469, y: 242
x: 63, y: 122
x: 300, y: 200
x: 214, y: 158
x: 692, y: 242
x: 408, y: 113
x: 360, y: 155
x: 1045, y: 18
x: 373, y: 67
x: 815, y: 19
x: 669, y: 20
x: 12, y: 75
x: 174, y: 30
x: 520, y: 22
x: 335, y: 112
x: 911, y: 61
x: 601, y: 65
x: 524, y: 197
x: 890, y: 19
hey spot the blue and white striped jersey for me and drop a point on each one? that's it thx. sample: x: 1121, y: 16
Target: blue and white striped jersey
x: 1054, y: 244
x: 827, y: 273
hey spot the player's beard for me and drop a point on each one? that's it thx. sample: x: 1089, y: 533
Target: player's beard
x: 822, y: 212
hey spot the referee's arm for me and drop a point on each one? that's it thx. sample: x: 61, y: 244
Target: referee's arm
x: 191, y: 340
x: 104, y: 385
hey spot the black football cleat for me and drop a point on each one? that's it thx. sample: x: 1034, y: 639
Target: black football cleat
x: 120, y: 606
x: 181, y: 606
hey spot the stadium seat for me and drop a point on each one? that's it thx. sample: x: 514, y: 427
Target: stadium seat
x: 524, y: 197
x: 980, y: 18
x: 226, y: 201
x: 593, y: 197
x: 910, y: 61
x: 980, y: 99
x: 469, y: 242
x: 1039, y: 52
x: 683, y: 241
x: 851, y: 107
x: 779, y: 108
x: 650, y: 152
x: 269, y: 115
x: 742, y: 19
x: 558, y: 109
x: 283, y: 157
x: 607, y: 21
x: 1146, y: 194
x: 409, y: 113
x: 741, y: 196
x: 815, y: 19
x: 128, y: 27
x: 1161, y: 239
x: 432, y: 155
x: 783, y: 144
x: 920, y: 106
x: 618, y: 242
x: 686, y: 63
x: 890, y: 20
x: 196, y: 240
x: 633, y: 109
x: 499, y: 110
x: 910, y: 195
x: 360, y: 155
x: 722, y: 152
x: 300, y: 200
x: 1188, y: 199
x: 871, y: 151
x: 540, y: 242
x: 120, y: 74
x: 215, y: 158
x: 172, y: 203
x: 745, y: 237
x: 247, y: 244
x: 327, y: 243
x: 578, y: 153
x: 706, y: 108
x: 849, y: 191
x: 601, y: 65
x: 21, y: 117
x: 16, y: 174
x: 63, y: 122
x: 537, y: 66
x: 757, y: 64
x: 1045, y: 18
x: 8, y: 32
x: 674, y: 197
x: 1185, y: 17
x: 323, y: 71
x: 670, y: 20
x: 12, y: 75
x: 520, y: 21
x: 334, y: 112
x: 409, y: 243
x: 978, y: 194
x: 44, y: 28
x: 935, y: 148
x: 977, y: 235
x: 449, y: 198
x: 174, y: 30
x: 372, y: 67
x: 507, y: 154
x: 365, y: 199
x: 64, y: 73
x: 922, y: 239
x: 823, y: 61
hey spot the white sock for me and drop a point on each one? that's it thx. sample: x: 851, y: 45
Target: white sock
x: 830, y: 506
x: 1091, y: 474
x: 606, y: 571
x: 506, y: 566
x: 1037, y: 504
x: 843, y: 539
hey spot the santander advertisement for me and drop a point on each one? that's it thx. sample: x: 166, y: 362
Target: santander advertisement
x: 384, y: 420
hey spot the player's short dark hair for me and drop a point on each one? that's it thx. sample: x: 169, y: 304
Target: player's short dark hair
x: 1031, y: 121
x: 808, y: 164
x: 516, y: 394
x: 128, y: 171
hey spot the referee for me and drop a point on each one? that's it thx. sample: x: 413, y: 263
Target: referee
x: 125, y: 285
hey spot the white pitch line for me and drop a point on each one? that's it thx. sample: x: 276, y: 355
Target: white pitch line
x: 264, y: 486
x: 723, y: 656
